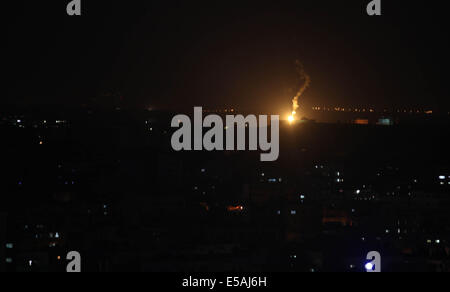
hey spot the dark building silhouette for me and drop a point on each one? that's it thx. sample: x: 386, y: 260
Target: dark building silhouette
x: 2, y: 242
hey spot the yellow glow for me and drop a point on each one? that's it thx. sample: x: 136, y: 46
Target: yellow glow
x: 291, y: 119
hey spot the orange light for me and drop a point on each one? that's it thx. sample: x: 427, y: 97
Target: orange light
x: 291, y: 119
x: 235, y: 208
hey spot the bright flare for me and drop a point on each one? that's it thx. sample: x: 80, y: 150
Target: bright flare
x: 291, y: 119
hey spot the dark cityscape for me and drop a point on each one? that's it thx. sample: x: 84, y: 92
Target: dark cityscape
x: 88, y: 162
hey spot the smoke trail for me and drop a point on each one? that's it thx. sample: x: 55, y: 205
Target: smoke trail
x: 305, y: 80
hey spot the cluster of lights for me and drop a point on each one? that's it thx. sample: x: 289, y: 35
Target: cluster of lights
x: 232, y: 110
x: 369, y: 110
x: 342, y: 109
x: 442, y: 179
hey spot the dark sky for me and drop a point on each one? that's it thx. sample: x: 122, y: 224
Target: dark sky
x: 179, y: 54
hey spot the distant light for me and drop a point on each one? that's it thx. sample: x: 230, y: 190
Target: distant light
x: 442, y: 177
x: 369, y: 267
x: 358, y: 192
x: 9, y: 245
x: 9, y: 260
x: 19, y: 121
x: 235, y: 208
x: 438, y: 241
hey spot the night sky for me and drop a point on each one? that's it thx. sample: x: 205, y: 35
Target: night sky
x: 179, y: 54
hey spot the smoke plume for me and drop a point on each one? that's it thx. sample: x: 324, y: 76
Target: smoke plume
x: 305, y: 81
